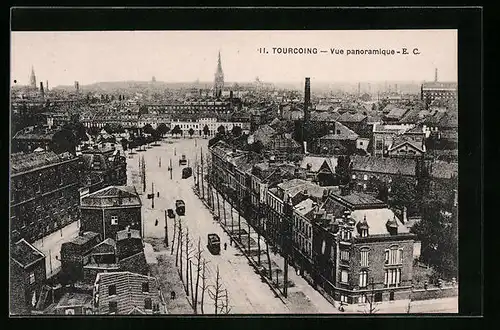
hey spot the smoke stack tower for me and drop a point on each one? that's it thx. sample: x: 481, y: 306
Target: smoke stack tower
x: 77, y: 87
x: 436, y: 75
x: 47, y: 85
x: 42, y: 93
x: 307, y: 100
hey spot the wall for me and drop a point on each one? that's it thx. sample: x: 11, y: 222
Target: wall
x: 434, y: 293
x: 35, y: 215
x: 92, y: 220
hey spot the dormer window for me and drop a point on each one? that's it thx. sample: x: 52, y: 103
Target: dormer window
x: 364, y: 232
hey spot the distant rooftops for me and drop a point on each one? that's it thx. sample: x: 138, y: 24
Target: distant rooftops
x: 440, y: 85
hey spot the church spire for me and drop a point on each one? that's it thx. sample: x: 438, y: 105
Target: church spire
x: 219, y: 79
x: 33, y: 78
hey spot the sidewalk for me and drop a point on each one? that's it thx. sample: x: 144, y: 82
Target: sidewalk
x: 302, y: 298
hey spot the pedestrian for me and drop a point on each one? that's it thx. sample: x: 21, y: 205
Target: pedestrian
x: 225, y: 246
x: 158, y: 194
x: 231, y: 241
x: 156, y: 222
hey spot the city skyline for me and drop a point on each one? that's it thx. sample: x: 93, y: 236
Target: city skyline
x: 187, y: 56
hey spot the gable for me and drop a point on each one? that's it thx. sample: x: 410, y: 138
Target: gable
x: 405, y: 147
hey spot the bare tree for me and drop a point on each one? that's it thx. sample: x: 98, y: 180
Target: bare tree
x: 198, y: 270
x: 204, y: 287
x: 194, y: 302
x: 371, y: 307
x: 225, y: 308
x: 173, y: 238
x: 215, y: 292
x: 179, y: 247
x: 408, y: 307
x: 179, y: 243
x: 189, y: 255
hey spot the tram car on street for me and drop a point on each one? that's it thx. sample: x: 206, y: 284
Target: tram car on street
x: 187, y: 172
x: 213, y: 243
x: 180, y: 207
x: 183, y: 160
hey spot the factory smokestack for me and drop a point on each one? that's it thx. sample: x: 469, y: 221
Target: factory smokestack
x: 47, y: 85
x: 41, y: 89
x: 77, y: 87
x: 436, y: 75
x: 307, y: 100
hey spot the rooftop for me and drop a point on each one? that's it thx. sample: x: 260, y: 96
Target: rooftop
x: 357, y: 200
x: 377, y: 219
x: 74, y: 299
x: 384, y: 165
x: 351, y: 117
x: 112, y: 196
x: 23, y: 162
x: 437, y: 85
x: 25, y: 254
x: 84, y: 238
x: 443, y: 170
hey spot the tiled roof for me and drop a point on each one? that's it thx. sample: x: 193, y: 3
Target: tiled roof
x: 384, y: 165
x: 291, y: 184
x: 396, y: 129
x: 34, y: 135
x: 314, y: 161
x: 345, y: 133
x: 443, y: 170
x: 449, y: 120
x: 359, y: 199
x: 264, y: 134
x: 351, y: 118
x: 113, y: 196
x: 402, y: 139
x: 22, y: 162
x: 25, y: 254
x: 397, y: 112
x: 324, y: 116
x: 84, y: 238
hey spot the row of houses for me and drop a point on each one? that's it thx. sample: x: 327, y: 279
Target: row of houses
x: 348, y: 243
x: 340, y: 237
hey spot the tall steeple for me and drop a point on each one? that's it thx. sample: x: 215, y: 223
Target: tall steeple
x: 33, y: 78
x: 219, y: 79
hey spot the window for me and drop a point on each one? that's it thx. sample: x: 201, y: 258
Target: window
x: 391, y: 295
x: 69, y: 311
x: 344, y: 276
x: 354, y: 176
x: 323, y: 247
x: 32, y: 278
x: 145, y: 287
x: 363, y: 279
x: 344, y: 255
x: 365, y: 177
x: 338, y: 131
x: 360, y: 143
x: 346, y: 234
x: 148, y: 304
x: 362, y: 299
x: 394, y: 256
x: 364, y: 258
x: 114, y: 220
x: 364, y: 232
x: 113, y: 307
x: 392, y: 277
x: 343, y: 298
x: 112, y: 290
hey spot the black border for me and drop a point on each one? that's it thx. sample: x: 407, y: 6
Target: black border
x: 467, y: 20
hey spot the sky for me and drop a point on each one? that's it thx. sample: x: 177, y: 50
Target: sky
x: 186, y: 56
